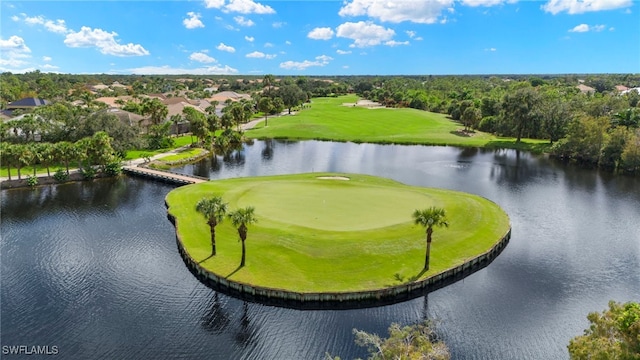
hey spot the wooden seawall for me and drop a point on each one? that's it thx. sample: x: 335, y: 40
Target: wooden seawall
x: 162, y: 175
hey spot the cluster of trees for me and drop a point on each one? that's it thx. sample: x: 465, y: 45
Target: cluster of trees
x: 598, y: 128
x: 86, y: 152
x: 612, y: 334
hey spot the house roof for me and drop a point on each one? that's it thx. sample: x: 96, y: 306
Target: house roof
x: 223, y: 96
x: 585, y: 89
x: 125, y: 116
x: 27, y: 102
x: 621, y: 88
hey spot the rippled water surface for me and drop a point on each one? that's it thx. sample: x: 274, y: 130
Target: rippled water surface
x: 93, y: 267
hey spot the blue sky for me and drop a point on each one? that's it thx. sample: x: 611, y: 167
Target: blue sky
x: 294, y: 37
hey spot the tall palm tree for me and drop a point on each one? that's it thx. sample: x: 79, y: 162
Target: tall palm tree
x: 214, y: 210
x: 240, y: 219
x: 428, y: 218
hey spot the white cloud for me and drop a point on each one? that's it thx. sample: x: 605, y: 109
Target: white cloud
x: 324, y: 58
x: 49, y: 66
x: 193, y: 21
x: 288, y: 42
x: 343, y: 52
x: 15, y: 18
x: 582, y: 6
x: 104, y: 41
x: 580, y: 28
x: 260, y: 55
x: 46, y: 58
x: 321, y: 33
x: 586, y: 28
x: 13, y: 51
x: 393, y: 43
x: 345, y: 66
x: 14, y: 44
x: 422, y: 12
x: 612, y: 29
x: 202, y: 57
x: 227, y: 48
x: 167, y: 70
x: 57, y: 26
x: 321, y: 60
x: 490, y: 49
x: 240, y: 20
x: 268, y: 45
x: 249, y: 38
x: 216, y: 4
x: 239, y: 6
x: 278, y: 24
x: 474, y: 3
x: 364, y: 34
x: 419, y: 38
x: 410, y: 33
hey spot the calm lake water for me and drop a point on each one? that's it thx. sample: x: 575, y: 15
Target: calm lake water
x: 93, y: 268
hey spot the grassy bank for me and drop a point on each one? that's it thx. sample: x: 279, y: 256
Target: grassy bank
x: 318, y: 235
x: 329, y: 119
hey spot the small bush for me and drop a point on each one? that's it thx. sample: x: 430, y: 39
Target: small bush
x: 88, y: 173
x: 113, y: 168
x: 61, y: 175
x: 32, y: 180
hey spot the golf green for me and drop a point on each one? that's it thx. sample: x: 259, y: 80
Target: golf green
x: 323, y: 232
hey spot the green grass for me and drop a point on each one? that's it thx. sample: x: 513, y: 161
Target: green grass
x: 178, y: 142
x: 316, y: 235
x: 184, y: 154
x: 328, y: 119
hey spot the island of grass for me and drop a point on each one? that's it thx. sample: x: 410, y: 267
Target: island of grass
x: 322, y: 233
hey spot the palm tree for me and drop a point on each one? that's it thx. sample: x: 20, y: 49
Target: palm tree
x: 240, y: 219
x: 214, y: 210
x: 428, y: 218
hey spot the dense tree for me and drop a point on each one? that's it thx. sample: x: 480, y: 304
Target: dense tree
x: 520, y: 111
x: 430, y: 218
x: 555, y: 115
x: 585, y: 138
x: 214, y: 210
x: 155, y: 109
x: 612, y: 334
x: 197, y: 123
x: 471, y: 117
x: 630, y: 157
x: 265, y: 105
x: 291, y: 96
x: 404, y: 343
x: 240, y: 218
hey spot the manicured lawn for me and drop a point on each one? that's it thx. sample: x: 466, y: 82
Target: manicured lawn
x: 328, y: 119
x: 178, y: 142
x: 185, y: 154
x: 334, y: 235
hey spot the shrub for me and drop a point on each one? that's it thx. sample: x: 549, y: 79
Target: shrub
x: 32, y: 180
x: 88, y: 172
x: 61, y: 175
x: 113, y: 168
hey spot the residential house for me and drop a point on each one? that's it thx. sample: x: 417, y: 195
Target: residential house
x: 586, y: 89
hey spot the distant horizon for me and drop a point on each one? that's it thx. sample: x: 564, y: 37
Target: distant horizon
x: 321, y: 38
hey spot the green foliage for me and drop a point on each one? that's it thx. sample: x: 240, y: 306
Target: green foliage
x: 417, y: 341
x: 61, y: 175
x: 32, y: 180
x: 88, y: 172
x: 612, y: 334
x: 113, y: 168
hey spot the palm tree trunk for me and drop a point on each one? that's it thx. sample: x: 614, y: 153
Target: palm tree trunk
x: 19, y: 175
x: 213, y: 239
x: 9, y: 170
x: 48, y: 171
x: 244, y: 251
x: 426, y: 260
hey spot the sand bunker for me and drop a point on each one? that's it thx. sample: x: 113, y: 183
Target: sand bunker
x: 332, y: 178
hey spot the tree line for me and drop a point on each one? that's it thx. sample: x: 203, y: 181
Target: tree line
x: 596, y: 128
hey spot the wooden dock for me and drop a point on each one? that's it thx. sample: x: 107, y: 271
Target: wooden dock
x: 162, y: 175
